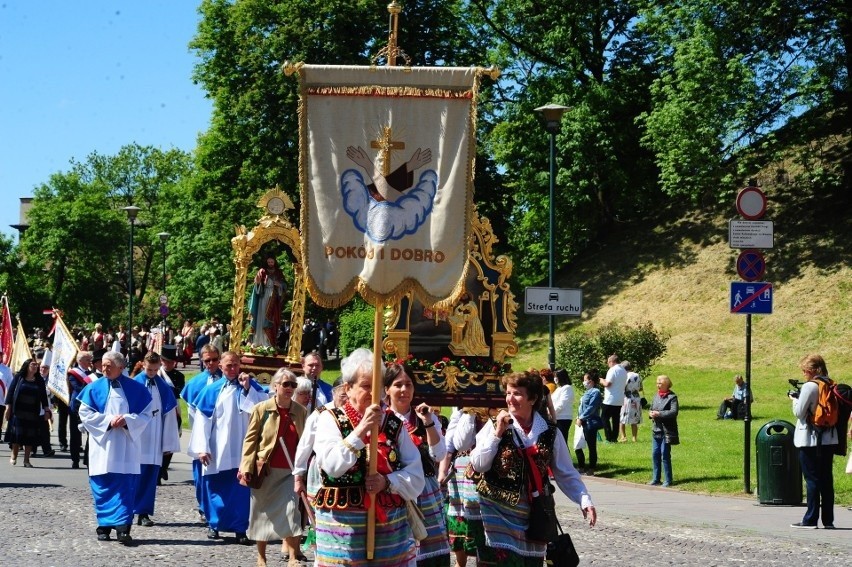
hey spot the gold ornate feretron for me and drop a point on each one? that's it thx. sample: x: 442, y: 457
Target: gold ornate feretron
x: 493, y: 273
x: 271, y: 226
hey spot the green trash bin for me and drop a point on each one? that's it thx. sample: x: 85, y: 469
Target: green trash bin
x: 779, y: 476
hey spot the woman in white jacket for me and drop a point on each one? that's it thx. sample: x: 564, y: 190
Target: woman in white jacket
x: 563, y: 401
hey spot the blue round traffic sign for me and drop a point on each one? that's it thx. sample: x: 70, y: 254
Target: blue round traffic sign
x: 751, y: 265
x: 164, y: 310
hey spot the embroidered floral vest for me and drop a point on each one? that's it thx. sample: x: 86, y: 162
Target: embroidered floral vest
x: 507, y: 476
x: 422, y: 442
x: 355, y: 476
x: 347, y: 491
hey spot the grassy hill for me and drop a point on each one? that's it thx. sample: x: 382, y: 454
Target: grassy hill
x: 674, y: 269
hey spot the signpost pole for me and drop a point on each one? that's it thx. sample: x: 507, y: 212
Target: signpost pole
x: 747, y: 419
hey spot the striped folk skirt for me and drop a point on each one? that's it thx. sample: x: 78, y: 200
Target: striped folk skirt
x: 342, y: 539
x: 436, y: 546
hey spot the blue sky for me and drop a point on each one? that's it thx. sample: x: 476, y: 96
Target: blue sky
x: 78, y: 77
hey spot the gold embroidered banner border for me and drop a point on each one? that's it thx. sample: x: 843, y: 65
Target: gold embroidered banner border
x: 311, y: 89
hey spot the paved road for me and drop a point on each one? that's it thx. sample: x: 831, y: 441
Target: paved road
x: 46, y: 519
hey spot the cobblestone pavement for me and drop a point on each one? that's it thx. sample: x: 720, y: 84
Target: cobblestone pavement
x: 46, y: 519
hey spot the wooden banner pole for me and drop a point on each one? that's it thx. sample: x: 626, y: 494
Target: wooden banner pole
x: 374, y: 434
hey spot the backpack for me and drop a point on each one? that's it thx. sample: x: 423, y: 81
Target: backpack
x: 843, y: 394
x: 826, y: 410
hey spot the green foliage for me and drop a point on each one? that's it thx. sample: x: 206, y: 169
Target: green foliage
x: 729, y: 73
x: 76, y: 248
x: 579, y: 352
x: 356, y: 326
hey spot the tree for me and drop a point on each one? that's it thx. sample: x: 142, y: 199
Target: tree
x: 731, y: 73
x: 591, y: 58
x: 78, y: 234
x: 252, y: 144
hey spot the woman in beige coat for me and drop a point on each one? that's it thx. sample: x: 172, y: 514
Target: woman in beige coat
x: 274, y: 506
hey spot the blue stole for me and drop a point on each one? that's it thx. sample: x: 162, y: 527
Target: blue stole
x: 195, y: 385
x: 96, y: 394
x: 206, y: 401
x: 167, y: 395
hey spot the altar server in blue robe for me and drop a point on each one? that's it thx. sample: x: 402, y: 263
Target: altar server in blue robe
x: 209, y: 356
x: 115, y: 413
x: 221, y: 422
x: 161, y: 436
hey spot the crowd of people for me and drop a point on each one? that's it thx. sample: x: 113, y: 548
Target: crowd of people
x: 291, y: 462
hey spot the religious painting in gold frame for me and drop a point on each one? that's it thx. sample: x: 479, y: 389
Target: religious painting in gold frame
x: 274, y: 225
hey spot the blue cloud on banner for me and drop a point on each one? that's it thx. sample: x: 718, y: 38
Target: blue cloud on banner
x: 384, y: 220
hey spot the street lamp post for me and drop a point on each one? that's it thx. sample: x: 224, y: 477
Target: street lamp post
x: 132, y: 212
x: 164, y: 236
x: 552, y: 120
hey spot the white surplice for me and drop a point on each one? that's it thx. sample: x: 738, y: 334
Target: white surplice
x: 114, y: 450
x: 221, y: 435
x: 161, y: 435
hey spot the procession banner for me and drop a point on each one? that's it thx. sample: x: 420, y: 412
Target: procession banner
x: 6, y: 333
x: 21, y: 351
x: 386, y: 167
x: 64, y: 353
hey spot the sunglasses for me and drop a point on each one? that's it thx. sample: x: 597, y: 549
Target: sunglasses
x: 209, y: 360
x: 288, y: 384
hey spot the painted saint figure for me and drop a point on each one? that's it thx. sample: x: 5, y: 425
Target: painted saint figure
x: 266, y: 304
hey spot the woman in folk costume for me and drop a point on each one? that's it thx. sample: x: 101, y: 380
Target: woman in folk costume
x: 424, y: 427
x: 514, y: 453
x: 464, y: 522
x: 266, y: 303
x: 343, y: 435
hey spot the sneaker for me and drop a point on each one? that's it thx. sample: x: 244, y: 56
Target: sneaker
x: 802, y: 526
x: 829, y: 527
x: 213, y: 534
x: 654, y: 483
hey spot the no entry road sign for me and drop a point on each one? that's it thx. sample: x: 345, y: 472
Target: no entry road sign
x: 751, y: 298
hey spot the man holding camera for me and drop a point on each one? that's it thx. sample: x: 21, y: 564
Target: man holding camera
x: 816, y: 447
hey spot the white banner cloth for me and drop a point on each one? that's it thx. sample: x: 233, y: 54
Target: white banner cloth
x: 63, y: 354
x: 386, y: 167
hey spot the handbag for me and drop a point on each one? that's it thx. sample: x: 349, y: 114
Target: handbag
x: 594, y: 422
x: 261, y: 472
x: 543, y: 525
x: 416, y: 520
x: 561, y: 552
x: 579, y: 439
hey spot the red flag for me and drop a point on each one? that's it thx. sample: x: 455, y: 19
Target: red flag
x: 6, y: 333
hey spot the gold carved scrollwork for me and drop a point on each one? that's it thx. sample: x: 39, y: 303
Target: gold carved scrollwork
x: 272, y: 226
x: 451, y: 379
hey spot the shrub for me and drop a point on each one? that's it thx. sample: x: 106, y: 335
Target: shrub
x: 356, y: 326
x: 578, y: 352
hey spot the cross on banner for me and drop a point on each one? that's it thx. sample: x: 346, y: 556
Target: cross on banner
x: 386, y: 145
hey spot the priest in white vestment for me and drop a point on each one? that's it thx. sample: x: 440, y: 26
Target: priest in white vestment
x: 161, y: 436
x: 221, y: 421
x: 209, y: 356
x: 115, y: 413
